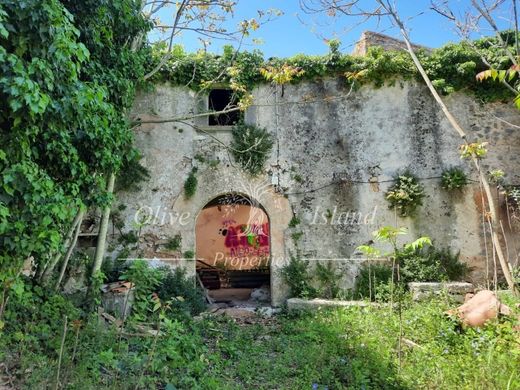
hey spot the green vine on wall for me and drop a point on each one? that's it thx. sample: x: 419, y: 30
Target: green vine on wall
x: 452, y: 67
x: 251, y: 147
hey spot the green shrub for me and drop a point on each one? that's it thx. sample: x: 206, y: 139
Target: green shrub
x: 426, y: 264
x: 328, y: 280
x: 429, y: 264
x: 132, y: 174
x: 296, y: 236
x: 406, y: 194
x: 251, y: 147
x: 297, y: 276
x: 189, y: 254
x: 114, y: 268
x: 184, y: 294
x: 454, y: 179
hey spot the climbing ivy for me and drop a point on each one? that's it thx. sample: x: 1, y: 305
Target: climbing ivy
x: 452, y: 67
x: 66, y: 79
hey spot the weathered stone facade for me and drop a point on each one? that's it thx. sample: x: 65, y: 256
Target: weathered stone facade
x: 336, y: 151
x: 370, y: 39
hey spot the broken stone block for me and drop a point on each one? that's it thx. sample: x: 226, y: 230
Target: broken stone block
x: 118, y: 298
x: 261, y: 294
x: 314, y: 304
x: 424, y: 290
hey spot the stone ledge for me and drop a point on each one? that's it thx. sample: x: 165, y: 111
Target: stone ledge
x: 306, y: 304
x: 457, y: 290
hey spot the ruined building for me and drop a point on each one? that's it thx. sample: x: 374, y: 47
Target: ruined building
x: 321, y: 192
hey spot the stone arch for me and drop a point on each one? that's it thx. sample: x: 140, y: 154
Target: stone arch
x: 226, y: 180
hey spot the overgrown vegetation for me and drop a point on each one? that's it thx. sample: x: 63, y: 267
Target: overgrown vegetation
x: 174, y: 243
x: 304, y: 282
x: 452, y: 67
x: 348, y: 348
x: 419, y: 261
x: 251, y: 146
x: 169, y: 286
x: 454, y: 179
x: 295, y: 221
x: 298, y: 278
x: 67, y: 77
x: 405, y: 195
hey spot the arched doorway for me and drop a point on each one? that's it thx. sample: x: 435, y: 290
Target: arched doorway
x: 233, y: 249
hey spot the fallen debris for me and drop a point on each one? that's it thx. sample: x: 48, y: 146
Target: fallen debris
x: 480, y: 308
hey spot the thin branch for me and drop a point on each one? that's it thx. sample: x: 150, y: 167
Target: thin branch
x: 486, y: 15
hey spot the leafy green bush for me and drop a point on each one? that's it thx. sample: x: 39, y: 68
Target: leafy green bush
x: 426, y: 264
x: 429, y: 264
x: 114, y: 268
x: 251, y: 147
x: 171, y: 286
x: 406, y: 194
x: 132, y: 175
x: 187, y: 297
x: 454, y: 179
x: 297, y: 276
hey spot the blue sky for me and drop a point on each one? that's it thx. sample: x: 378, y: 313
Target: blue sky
x: 297, y: 32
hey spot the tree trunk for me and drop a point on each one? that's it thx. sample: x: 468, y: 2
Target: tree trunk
x: 69, y: 251
x: 103, y: 229
x: 48, y: 271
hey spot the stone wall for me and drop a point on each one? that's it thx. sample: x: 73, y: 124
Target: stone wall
x: 334, y: 157
x: 371, y: 39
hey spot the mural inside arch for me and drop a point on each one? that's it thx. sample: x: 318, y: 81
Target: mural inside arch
x: 234, y: 237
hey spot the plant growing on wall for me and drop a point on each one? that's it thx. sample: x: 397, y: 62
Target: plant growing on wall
x: 454, y: 179
x: 174, y: 243
x: 295, y: 221
x: 190, y: 185
x: 251, y: 146
x: 405, y: 195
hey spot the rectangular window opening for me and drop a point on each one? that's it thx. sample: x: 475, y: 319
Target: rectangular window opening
x: 220, y: 100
